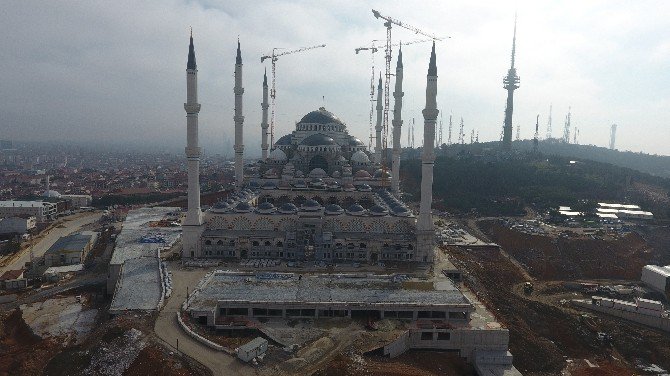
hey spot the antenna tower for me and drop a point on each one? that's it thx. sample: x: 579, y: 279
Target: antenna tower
x: 613, y: 137
x: 461, y: 134
x: 449, y: 132
x: 566, y: 129
x: 549, y: 123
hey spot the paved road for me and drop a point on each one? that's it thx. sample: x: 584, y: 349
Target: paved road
x: 49, y: 238
x: 168, y: 329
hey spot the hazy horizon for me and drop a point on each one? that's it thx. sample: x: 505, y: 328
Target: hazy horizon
x: 98, y: 73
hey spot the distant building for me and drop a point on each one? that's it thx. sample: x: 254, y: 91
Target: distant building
x: 78, y: 201
x: 17, y: 225
x: 13, y: 280
x: 71, y: 249
x: 657, y: 277
x: 41, y: 210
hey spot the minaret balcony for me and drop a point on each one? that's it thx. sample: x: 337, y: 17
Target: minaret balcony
x: 192, y: 152
x: 192, y: 108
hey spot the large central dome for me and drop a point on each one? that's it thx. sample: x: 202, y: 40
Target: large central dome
x: 320, y: 116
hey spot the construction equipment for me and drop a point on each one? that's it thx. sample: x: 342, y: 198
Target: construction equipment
x: 388, y: 22
x: 273, y: 91
x: 373, y: 48
x: 528, y: 288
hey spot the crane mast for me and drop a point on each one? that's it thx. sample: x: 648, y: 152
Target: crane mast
x: 273, y: 91
x: 388, y: 22
x: 373, y: 49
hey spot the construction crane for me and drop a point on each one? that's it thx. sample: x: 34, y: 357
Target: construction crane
x: 373, y: 48
x: 273, y: 91
x: 449, y: 133
x: 388, y: 22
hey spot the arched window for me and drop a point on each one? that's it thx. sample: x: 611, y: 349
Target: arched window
x: 363, y: 245
x: 280, y: 244
x: 410, y: 247
x: 267, y: 243
x: 220, y: 242
x: 208, y: 242
x: 254, y: 243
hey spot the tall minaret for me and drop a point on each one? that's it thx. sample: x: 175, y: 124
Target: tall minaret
x: 239, y: 121
x: 192, y: 224
x: 510, y: 83
x: 378, y: 126
x: 397, y: 125
x: 425, y: 232
x: 264, y: 121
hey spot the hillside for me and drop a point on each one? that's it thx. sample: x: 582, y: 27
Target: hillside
x: 495, y: 185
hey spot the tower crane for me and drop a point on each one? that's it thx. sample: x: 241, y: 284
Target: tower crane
x: 373, y: 49
x: 273, y: 91
x: 388, y: 22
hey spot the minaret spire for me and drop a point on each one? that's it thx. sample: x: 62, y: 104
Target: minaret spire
x: 510, y: 83
x: 424, y: 226
x: 378, y: 125
x: 192, y: 226
x: 264, y: 121
x: 239, y: 121
x: 397, y: 124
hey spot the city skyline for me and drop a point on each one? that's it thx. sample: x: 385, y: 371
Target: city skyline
x: 96, y: 73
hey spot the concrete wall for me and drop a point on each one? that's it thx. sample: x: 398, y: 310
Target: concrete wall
x: 662, y: 323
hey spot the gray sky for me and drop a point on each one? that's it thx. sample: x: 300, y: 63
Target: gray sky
x: 114, y: 71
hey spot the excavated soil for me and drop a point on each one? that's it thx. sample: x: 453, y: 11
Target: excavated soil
x: 544, y: 334
x: 411, y: 363
x: 21, y: 351
x: 551, y: 258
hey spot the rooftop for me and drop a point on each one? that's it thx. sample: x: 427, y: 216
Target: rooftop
x: 138, y: 238
x: 139, y: 287
x: 74, y: 242
x: 322, y: 288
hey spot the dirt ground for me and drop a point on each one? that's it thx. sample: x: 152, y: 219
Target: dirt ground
x: 543, y: 332
x: 411, y: 363
x: 557, y: 258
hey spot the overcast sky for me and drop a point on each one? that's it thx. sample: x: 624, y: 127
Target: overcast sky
x: 114, y: 71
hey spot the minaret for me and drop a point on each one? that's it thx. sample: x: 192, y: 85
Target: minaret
x: 397, y: 125
x: 264, y: 122
x: 425, y: 231
x: 378, y: 126
x: 510, y: 83
x: 239, y: 121
x: 192, y: 225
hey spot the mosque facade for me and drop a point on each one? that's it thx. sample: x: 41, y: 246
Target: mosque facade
x: 318, y: 195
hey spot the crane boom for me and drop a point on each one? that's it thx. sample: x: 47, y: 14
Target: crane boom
x: 405, y: 25
x: 273, y: 91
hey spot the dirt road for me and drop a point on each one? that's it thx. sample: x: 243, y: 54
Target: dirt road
x: 167, y: 328
x: 48, y: 238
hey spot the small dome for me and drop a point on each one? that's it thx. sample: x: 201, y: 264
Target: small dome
x: 300, y: 184
x: 270, y: 173
x: 230, y: 201
x: 51, y: 194
x: 243, y: 207
x: 362, y: 174
x: 318, y: 140
x: 283, y: 140
x: 349, y: 187
x: 382, y: 174
x: 334, y: 209
x: 321, y: 116
x: 310, y: 205
x: 364, y: 188
x: 378, y: 210
x: 360, y: 157
x: 356, y: 209
x: 288, y: 208
x: 278, y: 155
x: 336, y: 174
x: 266, y: 207
x: 353, y: 141
x: 401, y: 211
x: 317, y: 173
x: 220, y: 207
